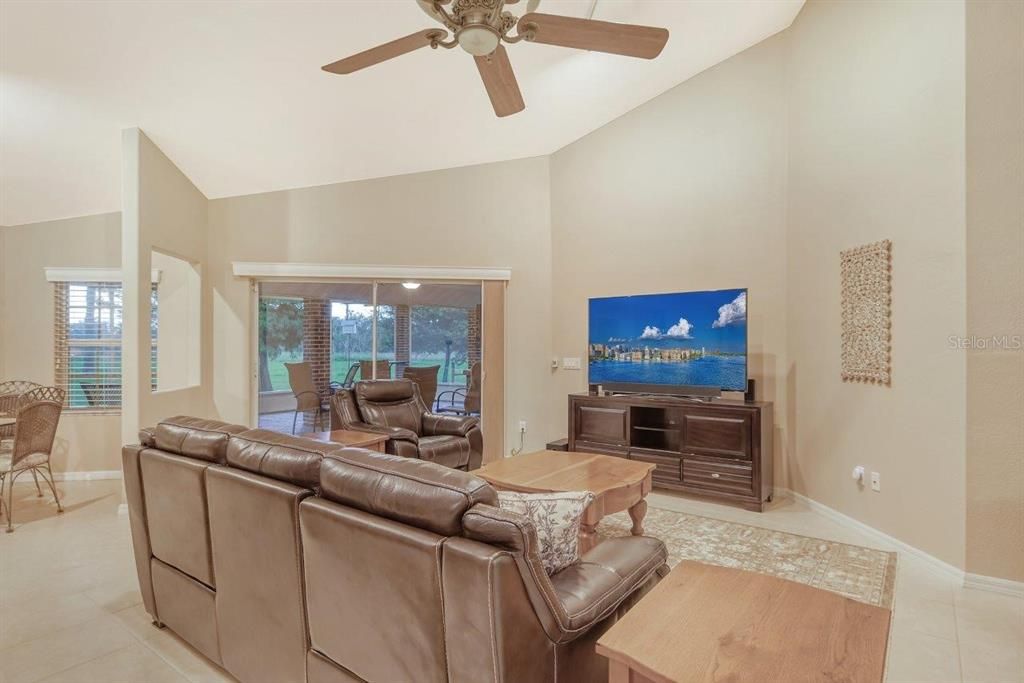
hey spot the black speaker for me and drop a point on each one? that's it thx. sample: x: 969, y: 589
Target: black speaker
x: 748, y: 395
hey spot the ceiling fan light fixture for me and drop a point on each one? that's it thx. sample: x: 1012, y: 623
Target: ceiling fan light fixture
x: 478, y: 41
x: 411, y: 285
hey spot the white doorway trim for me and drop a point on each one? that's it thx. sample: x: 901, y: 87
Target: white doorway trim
x: 260, y: 270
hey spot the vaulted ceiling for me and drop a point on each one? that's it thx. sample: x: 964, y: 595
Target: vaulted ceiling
x: 233, y: 92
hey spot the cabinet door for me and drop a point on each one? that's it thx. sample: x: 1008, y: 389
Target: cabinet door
x: 723, y: 433
x: 601, y: 424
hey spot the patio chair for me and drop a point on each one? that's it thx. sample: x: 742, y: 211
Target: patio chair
x: 107, y: 395
x: 470, y: 395
x: 366, y: 369
x: 38, y: 414
x: 426, y: 380
x: 350, y: 377
x: 307, y: 398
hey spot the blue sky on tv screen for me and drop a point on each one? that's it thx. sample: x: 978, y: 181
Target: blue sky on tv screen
x: 715, y: 320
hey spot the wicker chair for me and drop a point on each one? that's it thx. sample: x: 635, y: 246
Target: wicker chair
x: 37, y: 416
x: 9, y: 393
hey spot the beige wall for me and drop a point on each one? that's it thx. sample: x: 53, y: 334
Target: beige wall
x: 162, y: 210
x: 687, y: 192
x: 495, y: 215
x: 995, y: 287
x: 876, y: 126
x: 179, y: 329
x: 84, y: 442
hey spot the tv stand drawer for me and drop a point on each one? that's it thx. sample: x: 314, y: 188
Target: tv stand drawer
x: 732, y: 477
x: 601, y: 449
x: 667, y: 467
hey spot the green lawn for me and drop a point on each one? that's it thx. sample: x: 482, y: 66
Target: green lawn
x: 340, y: 364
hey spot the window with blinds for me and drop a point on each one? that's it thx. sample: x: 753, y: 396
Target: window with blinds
x: 87, y: 343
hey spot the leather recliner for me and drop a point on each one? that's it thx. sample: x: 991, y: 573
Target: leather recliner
x: 296, y: 561
x: 393, y: 407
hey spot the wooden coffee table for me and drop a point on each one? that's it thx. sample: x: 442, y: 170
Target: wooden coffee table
x: 351, y: 437
x: 706, y: 623
x: 617, y: 484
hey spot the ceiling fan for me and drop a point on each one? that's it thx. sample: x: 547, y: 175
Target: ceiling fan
x: 480, y: 26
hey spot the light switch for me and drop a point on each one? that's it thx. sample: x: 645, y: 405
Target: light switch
x: 571, y: 363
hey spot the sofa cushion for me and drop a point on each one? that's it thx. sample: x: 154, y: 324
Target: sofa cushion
x: 450, y: 451
x: 194, y: 437
x: 407, y: 490
x: 289, y: 458
x: 556, y: 517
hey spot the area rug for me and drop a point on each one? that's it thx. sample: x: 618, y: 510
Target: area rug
x: 857, y: 572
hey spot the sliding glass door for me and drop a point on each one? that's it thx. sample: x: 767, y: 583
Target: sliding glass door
x: 317, y: 338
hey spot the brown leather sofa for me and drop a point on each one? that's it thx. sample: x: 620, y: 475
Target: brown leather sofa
x: 283, y: 560
x: 394, y: 407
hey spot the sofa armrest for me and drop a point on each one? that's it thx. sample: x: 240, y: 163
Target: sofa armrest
x: 573, y: 600
x: 435, y: 424
x: 147, y: 436
x: 607, y: 575
x: 397, y: 433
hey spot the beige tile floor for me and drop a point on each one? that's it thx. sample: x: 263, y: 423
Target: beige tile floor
x: 70, y: 609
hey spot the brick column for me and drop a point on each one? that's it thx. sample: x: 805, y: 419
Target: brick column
x: 403, y: 330
x: 473, y: 344
x: 316, y: 340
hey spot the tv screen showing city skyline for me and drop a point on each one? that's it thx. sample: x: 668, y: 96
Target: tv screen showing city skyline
x: 681, y: 339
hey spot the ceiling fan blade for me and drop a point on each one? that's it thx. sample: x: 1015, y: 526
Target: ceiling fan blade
x: 600, y: 36
x: 382, y: 53
x: 500, y: 81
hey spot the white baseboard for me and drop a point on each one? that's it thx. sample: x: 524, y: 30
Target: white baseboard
x: 941, y: 566
x: 994, y: 585
x: 89, y: 475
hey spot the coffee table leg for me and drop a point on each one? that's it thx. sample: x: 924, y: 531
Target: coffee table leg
x: 588, y: 529
x: 637, y: 513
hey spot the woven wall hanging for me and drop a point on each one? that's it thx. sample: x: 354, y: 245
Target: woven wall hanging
x: 866, y: 283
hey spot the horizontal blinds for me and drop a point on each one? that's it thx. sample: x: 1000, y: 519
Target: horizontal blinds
x: 88, y: 322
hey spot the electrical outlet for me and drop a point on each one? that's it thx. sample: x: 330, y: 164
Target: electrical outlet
x: 522, y: 425
x: 876, y: 481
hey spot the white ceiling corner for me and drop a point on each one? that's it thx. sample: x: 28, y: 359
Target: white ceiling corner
x: 231, y: 90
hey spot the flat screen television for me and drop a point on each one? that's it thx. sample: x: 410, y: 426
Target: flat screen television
x: 682, y: 340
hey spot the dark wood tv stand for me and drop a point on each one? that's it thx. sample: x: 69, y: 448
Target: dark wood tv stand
x: 719, y: 449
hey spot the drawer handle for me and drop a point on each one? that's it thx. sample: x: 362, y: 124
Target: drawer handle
x: 715, y: 475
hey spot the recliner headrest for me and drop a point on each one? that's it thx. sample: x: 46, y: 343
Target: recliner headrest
x: 293, y: 459
x: 414, y: 492
x: 194, y: 437
x: 385, y: 390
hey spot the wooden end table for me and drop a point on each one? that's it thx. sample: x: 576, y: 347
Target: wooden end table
x: 351, y: 437
x: 706, y: 623
x: 617, y: 484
